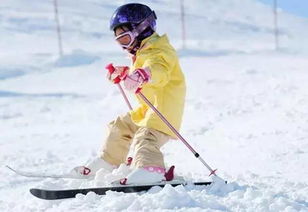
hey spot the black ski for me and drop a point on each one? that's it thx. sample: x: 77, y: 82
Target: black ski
x: 71, y: 193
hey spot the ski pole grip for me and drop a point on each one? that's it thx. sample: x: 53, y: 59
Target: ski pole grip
x: 110, y: 68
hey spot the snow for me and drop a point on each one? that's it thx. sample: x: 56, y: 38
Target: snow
x: 246, y: 106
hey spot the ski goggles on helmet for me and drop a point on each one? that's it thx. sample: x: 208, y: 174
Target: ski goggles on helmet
x: 126, y: 39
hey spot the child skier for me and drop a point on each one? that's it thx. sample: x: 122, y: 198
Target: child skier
x: 156, y: 71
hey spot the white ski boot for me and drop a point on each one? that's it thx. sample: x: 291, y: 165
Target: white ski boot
x: 148, y: 175
x: 90, y: 169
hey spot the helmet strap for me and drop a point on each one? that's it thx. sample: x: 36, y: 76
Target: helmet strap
x: 140, y: 28
x: 136, y: 47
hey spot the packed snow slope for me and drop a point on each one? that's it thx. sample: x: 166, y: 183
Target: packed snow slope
x: 246, y: 106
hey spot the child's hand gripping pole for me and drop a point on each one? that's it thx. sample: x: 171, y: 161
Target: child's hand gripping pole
x: 111, y: 69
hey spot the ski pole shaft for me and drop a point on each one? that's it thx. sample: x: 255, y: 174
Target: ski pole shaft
x: 125, y: 97
x: 111, y: 69
x: 212, y: 172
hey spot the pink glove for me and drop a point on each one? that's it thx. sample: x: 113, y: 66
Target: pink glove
x: 116, y: 73
x: 134, y: 81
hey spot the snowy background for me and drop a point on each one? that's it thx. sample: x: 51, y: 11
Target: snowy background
x: 246, y: 107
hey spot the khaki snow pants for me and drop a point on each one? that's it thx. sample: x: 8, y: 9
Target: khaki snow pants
x: 146, y: 143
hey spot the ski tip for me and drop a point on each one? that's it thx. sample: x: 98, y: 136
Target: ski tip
x: 35, y: 192
x: 40, y: 194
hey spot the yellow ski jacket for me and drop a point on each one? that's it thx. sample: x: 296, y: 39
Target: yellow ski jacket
x: 166, y: 89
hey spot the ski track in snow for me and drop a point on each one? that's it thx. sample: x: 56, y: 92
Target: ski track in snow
x: 246, y: 111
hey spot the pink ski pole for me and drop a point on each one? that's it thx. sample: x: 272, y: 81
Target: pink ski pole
x: 196, y: 154
x: 125, y: 97
x: 111, y: 69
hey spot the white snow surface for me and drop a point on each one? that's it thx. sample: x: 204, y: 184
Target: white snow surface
x: 245, y: 113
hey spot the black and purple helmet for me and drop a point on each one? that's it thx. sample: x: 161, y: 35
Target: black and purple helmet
x: 133, y: 14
